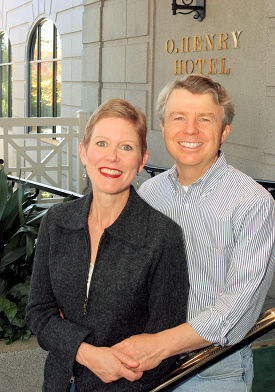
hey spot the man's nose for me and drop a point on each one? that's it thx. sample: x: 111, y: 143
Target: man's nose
x: 191, y: 126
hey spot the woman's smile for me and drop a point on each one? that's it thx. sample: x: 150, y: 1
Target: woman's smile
x: 108, y: 172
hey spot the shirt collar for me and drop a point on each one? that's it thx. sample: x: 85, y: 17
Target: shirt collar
x: 214, y: 173
x: 208, y: 180
x: 174, y: 178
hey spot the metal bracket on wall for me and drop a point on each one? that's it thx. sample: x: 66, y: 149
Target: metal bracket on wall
x: 188, y: 6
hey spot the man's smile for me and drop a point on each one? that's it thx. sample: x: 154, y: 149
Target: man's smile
x: 190, y: 145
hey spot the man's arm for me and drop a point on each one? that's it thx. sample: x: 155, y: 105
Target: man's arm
x: 238, y: 306
x: 249, y: 275
x: 150, y: 349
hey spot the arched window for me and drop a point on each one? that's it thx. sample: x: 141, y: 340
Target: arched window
x: 45, y: 72
x: 5, y: 76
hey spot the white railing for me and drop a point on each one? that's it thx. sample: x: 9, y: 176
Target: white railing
x: 50, y: 158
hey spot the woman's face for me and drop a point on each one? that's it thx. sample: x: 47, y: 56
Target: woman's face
x: 113, y: 155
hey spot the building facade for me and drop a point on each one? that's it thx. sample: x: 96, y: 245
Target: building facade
x: 131, y: 49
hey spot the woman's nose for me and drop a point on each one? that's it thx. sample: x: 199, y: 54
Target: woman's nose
x: 112, y: 154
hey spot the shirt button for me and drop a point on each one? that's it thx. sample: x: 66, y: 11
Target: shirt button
x: 187, y: 205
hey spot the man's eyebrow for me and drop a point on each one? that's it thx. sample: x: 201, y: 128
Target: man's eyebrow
x: 178, y: 113
x: 210, y: 114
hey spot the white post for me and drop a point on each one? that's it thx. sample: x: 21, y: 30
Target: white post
x: 82, y: 121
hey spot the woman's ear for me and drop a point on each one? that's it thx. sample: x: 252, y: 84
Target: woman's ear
x: 144, y: 160
x: 82, y: 154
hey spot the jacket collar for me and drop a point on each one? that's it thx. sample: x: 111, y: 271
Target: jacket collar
x: 130, y: 226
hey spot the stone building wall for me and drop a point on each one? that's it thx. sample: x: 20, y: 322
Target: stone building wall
x: 18, y: 18
x: 132, y: 48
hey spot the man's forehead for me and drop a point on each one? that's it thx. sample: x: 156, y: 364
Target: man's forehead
x: 180, y: 98
x: 185, y: 92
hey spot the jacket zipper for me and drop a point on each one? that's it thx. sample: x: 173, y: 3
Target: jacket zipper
x: 85, y: 304
x: 70, y: 383
x: 89, y: 253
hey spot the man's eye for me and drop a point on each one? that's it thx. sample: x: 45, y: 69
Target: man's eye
x: 101, y: 143
x: 126, y: 147
x: 203, y: 119
x: 179, y: 118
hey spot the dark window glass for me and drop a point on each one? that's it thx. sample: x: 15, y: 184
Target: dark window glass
x: 45, y: 73
x: 5, y: 76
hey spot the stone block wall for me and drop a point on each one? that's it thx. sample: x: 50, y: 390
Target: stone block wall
x: 116, y: 52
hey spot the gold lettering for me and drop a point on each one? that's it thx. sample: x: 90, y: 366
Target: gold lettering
x: 236, y: 35
x: 212, y: 66
x: 223, y: 41
x: 169, y: 46
x: 187, y: 44
x: 227, y: 72
x: 200, y: 62
x: 186, y: 40
x: 208, y: 42
x: 182, y: 45
x: 178, y: 67
x: 186, y: 64
x: 197, y: 43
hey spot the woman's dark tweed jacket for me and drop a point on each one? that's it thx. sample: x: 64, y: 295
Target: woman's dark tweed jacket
x: 139, y: 284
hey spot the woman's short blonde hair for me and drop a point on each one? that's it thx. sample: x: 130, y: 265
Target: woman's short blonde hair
x: 118, y: 108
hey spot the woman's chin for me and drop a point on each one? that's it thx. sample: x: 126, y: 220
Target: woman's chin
x: 112, y: 189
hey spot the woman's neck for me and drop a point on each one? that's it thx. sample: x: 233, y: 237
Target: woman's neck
x: 105, y: 208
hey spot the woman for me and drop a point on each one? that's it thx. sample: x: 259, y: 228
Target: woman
x: 107, y: 266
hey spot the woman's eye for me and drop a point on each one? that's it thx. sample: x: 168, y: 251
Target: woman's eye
x: 101, y: 143
x: 126, y: 147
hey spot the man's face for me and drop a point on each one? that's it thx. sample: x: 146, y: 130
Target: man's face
x: 192, y: 132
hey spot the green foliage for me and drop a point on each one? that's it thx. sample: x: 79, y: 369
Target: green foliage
x: 20, y: 218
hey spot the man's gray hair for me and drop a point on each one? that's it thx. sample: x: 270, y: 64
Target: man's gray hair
x: 198, y: 84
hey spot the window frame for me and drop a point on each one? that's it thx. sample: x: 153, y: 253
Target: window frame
x: 36, y: 35
x: 9, y: 65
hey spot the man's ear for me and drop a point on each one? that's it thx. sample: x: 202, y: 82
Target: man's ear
x: 225, y: 133
x: 162, y: 127
x: 82, y: 154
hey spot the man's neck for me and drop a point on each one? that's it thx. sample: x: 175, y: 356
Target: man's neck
x: 188, y: 174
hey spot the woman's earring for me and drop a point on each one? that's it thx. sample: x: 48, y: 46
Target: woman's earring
x: 138, y: 180
x: 84, y: 174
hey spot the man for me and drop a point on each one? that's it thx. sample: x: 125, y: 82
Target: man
x: 228, y: 224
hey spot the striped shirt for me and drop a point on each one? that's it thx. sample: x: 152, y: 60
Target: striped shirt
x: 228, y: 222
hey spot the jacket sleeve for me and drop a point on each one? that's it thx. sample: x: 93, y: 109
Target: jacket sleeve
x: 168, y: 287
x: 61, y: 337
